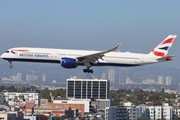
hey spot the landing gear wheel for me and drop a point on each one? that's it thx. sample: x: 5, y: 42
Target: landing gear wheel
x: 88, y: 70
x: 84, y: 70
x: 10, y: 66
x: 91, y: 71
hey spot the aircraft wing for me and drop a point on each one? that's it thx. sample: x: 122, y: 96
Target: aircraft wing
x: 94, y: 57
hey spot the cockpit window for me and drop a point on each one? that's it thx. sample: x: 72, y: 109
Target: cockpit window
x: 7, y: 52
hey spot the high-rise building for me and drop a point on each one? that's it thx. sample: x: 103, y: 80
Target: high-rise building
x: 111, y: 75
x: 35, y: 77
x: 98, y: 72
x: 19, y: 76
x: 168, y: 80
x: 31, y: 77
x: 87, y: 88
x: 14, y: 78
x: 53, y: 81
x: 123, y: 74
x: 27, y: 77
x: 93, y: 89
x: 103, y: 76
x: 43, y: 78
x: 160, y: 80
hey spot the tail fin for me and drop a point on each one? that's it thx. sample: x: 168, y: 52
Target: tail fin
x: 162, y: 49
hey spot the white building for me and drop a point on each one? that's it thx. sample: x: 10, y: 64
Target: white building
x: 19, y: 76
x: 27, y: 96
x: 43, y: 78
x: 27, y: 78
x: 161, y: 112
x: 160, y: 80
x: 134, y: 112
x: 168, y: 80
x: 167, y: 111
x: 53, y: 81
x: 30, y: 117
x: 176, y: 111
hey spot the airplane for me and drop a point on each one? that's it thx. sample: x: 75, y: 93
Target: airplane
x: 69, y: 58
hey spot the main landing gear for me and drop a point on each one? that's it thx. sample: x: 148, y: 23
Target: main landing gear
x: 10, y: 66
x: 88, y: 70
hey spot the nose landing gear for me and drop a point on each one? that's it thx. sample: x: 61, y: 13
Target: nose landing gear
x: 10, y: 66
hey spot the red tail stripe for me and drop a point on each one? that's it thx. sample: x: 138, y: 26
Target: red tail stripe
x: 161, y: 54
x: 170, y: 40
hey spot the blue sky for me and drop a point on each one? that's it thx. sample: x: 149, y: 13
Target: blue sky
x: 96, y: 24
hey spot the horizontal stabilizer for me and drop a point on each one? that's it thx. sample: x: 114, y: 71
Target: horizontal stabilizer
x: 167, y: 58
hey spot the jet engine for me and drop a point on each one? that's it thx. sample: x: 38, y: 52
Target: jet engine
x: 68, y: 62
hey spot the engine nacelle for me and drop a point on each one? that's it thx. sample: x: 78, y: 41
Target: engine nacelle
x: 68, y: 62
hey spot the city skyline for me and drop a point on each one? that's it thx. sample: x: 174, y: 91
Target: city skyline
x: 47, y: 74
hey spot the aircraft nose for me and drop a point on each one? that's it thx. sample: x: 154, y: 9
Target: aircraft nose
x: 2, y: 55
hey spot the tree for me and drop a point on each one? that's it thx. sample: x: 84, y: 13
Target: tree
x: 7, y: 104
x: 22, y: 89
x: 59, y: 92
x: 11, y: 89
x: 45, y: 94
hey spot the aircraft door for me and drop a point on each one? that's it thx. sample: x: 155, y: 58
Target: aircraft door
x: 55, y: 54
x: 141, y: 59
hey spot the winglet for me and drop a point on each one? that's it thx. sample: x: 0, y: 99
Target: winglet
x: 117, y: 45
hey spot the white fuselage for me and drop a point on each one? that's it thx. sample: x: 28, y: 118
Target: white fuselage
x: 54, y: 56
